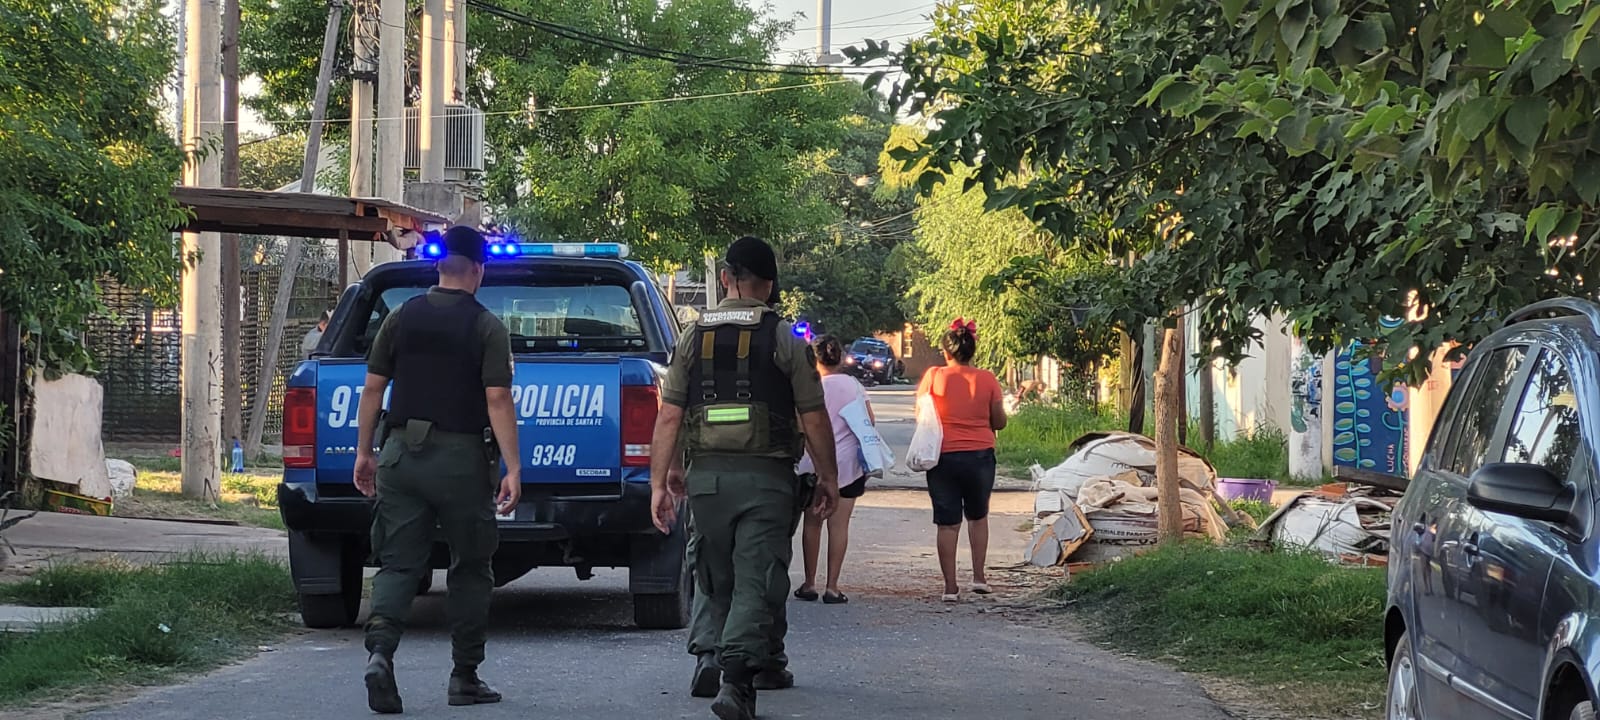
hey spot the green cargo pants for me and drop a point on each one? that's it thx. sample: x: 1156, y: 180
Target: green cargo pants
x: 744, y: 510
x: 430, y: 479
x: 704, y: 632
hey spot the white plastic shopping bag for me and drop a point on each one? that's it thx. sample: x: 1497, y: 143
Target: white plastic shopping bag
x: 876, y: 457
x: 923, y: 455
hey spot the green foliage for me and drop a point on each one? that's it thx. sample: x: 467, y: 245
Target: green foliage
x: 269, y: 163
x: 1040, y: 434
x: 1256, y: 509
x: 672, y: 179
x: 848, y: 278
x: 86, y: 168
x: 1294, y: 156
x: 1271, y: 618
x: 190, y: 615
x: 1261, y: 454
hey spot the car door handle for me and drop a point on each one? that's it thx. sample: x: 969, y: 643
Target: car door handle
x: 1419, y: 528
x: 1470, y: 549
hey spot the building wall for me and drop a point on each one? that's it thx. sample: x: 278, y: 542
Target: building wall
x: 1253, y: 394
x: 912, y: 346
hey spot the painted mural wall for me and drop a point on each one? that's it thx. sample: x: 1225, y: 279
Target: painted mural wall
x: 1369, y: 422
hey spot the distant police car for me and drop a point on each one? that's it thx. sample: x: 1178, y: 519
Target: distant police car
x: 591, y: 333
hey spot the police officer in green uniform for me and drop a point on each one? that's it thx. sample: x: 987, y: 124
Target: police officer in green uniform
x: 704, y: 632
x: 450, y: 419
x: 740, y: 395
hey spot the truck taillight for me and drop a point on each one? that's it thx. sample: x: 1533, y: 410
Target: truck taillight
x: 300, y: 428
x: 639, y: 406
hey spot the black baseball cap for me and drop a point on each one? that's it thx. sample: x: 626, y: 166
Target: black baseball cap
x: 754, y: 256
x: 466, y: 242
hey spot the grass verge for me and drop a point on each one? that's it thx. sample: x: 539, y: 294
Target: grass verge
x: 248, y: 498
x: 1041, y: 433
x: 153, y: 622
x: 1309, y: 630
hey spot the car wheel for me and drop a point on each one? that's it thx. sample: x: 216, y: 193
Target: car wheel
x: 1583, y: 711
x: 1402, y: 702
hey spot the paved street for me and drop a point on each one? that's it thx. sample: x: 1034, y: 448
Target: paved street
x: 565, y: 649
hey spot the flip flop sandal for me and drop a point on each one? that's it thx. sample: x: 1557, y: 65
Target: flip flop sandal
x: 982, y: 589
x: 806, y: 595
x: 833, y: 598
x: 951, y: 597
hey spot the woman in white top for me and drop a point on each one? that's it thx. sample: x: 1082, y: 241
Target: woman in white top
x: 840, y: 390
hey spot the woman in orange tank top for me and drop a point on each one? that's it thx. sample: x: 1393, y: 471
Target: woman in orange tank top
x: 971, y: 407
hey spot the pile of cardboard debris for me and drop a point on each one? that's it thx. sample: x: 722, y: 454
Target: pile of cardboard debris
x: 1349, y: 522
x: 1100, y: 503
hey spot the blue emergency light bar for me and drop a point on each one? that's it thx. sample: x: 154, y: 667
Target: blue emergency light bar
x: 434, y: 250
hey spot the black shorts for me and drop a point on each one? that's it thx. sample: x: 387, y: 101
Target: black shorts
x: 855, y: 489
x: 960, y: 486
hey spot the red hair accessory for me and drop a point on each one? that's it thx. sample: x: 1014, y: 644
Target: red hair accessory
x: 965, y: 325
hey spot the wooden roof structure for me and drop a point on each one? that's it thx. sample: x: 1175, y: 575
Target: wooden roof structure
x: 305, y: 215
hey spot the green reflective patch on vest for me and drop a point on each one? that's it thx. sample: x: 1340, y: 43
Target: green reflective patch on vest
x: 725, y: 415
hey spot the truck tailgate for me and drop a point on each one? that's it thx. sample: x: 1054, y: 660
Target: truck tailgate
x: 569, y: 416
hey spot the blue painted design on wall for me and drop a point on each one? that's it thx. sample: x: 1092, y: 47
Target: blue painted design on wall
x: 1369, y: 425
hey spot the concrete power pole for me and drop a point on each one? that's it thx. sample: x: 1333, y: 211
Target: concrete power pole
x: 431, y: 120
x: 825, y: 54
x: 364, y: 71
x: 390, y: 155
x: 291, y: 252
x: 455, y: 51
x: 202, y: 302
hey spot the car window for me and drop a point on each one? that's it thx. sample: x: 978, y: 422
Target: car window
x: 1481, y: 410
x: 1545, y: 430
x: 560, y: 318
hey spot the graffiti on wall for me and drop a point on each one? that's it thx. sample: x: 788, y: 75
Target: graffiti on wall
x: 1369, y: 423
x: 1305, y: 412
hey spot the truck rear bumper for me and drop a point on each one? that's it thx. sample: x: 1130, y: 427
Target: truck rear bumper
x: 540, y: 517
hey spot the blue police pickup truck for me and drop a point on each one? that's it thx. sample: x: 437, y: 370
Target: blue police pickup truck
x: 591, y: 333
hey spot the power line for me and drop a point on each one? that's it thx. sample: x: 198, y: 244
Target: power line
x: 633, y: 48
x: 597, y: 106
x: 857, y: 21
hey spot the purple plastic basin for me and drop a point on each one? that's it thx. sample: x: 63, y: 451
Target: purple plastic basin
x: 1242, y: 489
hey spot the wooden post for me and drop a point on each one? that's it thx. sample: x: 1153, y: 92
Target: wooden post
x: 1168, y: 414
x: 232, y: 395
x: 291, y: 253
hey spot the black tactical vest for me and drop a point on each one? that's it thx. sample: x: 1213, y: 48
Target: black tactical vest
x: 740, y: 401
x: 438, y: 366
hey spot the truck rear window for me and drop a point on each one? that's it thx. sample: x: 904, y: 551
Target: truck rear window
x: 547, y: 318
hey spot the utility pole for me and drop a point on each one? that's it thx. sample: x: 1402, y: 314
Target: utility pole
x: 291, y: 253
x: 364, y: 74
x: 431, y: 121
x: 202, y: 306
x: 455, y: 51
x: 232, y: 395
x: 390, y: 155
x: 825, y: 54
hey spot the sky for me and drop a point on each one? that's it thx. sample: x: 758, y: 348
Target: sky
x: 854, y: 21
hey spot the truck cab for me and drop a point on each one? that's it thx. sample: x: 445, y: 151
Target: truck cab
x: 592, y: 334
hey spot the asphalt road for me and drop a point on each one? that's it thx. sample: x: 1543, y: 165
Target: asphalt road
x: 561, y: 648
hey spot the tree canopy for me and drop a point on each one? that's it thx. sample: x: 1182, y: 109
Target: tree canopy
x: 589, y: 142
x: 1310, y: 157
x: 86, y: 167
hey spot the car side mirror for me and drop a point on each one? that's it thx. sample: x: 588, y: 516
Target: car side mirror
x: 1530, y: 492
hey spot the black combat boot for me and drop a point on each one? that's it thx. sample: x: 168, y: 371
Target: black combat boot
x: 467, y: 689
x: 383, y: 695
x: 774, y: 679
x: 735, y: 702
x: 707, y: 677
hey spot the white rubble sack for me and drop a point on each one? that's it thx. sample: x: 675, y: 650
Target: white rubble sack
x: 66, y: 444
x: 123, y: 477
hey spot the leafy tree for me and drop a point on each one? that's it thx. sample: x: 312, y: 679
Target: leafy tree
x: 269, y: 163
x: 848, y: 277
x: 86, y: 167
x: 1307, y: 159
x: 670, y: 178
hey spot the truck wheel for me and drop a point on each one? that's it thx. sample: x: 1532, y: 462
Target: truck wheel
x: 328, y: 611
x: 663, y: 612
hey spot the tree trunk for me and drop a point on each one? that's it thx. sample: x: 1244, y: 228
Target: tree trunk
x: 1208, y: 403
x: 1136, y: 396
x: 1169, y: 377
